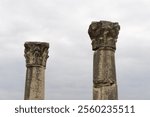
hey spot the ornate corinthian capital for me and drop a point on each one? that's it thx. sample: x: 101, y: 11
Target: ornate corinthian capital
x: 104, y: 34
x: 36, y: 53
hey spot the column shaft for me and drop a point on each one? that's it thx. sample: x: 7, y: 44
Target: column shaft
x: 104, y: 75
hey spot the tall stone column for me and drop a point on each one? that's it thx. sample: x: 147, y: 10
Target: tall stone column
x: 36, y: 54
x: 104, y: 36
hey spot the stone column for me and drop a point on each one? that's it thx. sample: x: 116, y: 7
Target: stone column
x: 36, y: 54
x: 104, y: 36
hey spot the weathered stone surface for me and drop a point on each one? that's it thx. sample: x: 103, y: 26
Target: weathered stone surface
x: 36, y: 54
x: 105, y: 93
x: 104, y: 36
x: 104, y: 68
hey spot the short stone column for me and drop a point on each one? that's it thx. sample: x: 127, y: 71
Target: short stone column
x: 104, y: 36
x: 36, y: 54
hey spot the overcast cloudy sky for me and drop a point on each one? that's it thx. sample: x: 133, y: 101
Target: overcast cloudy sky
x: 64, y: 24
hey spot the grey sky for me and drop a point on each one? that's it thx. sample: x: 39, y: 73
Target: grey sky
x: 64, y: 24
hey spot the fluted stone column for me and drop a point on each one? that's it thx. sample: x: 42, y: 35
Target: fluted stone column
x: 36, y: 54
x: 104, y: 36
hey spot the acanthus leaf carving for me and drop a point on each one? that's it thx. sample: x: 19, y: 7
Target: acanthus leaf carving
x: 36, y: 53
x: 104, y: 34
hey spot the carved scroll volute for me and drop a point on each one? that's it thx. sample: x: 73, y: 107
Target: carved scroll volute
x: 36, y: 53
x: 104, y: 34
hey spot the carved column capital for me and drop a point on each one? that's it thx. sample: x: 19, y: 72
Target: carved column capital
x: 104, y: 34
x: 36, y: 53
